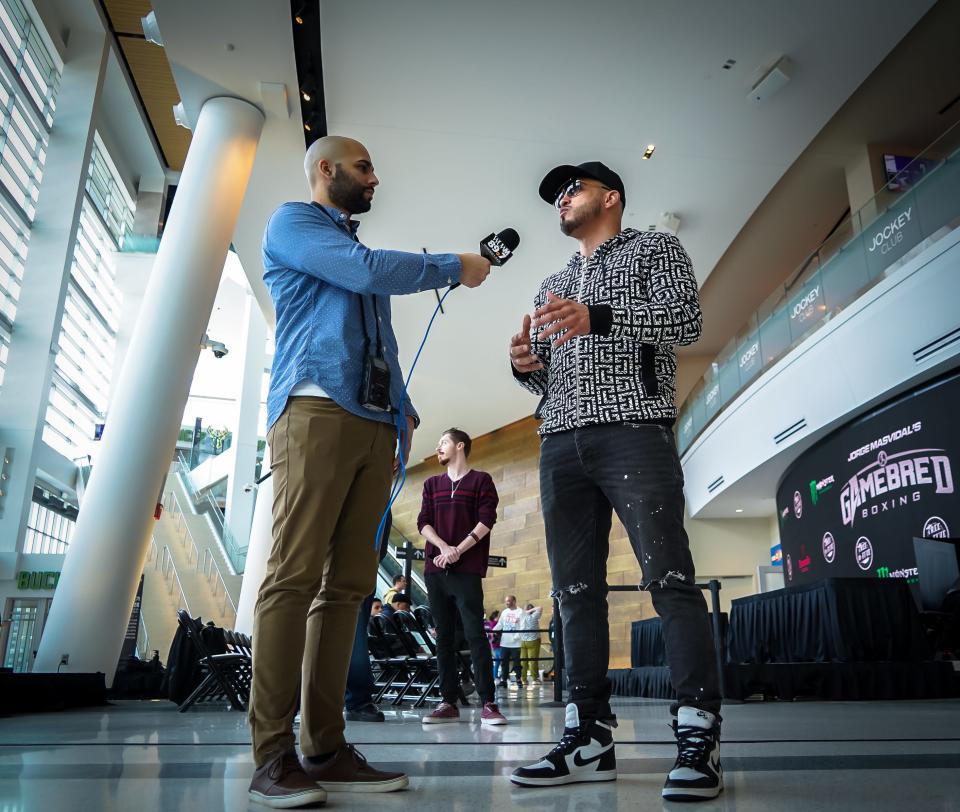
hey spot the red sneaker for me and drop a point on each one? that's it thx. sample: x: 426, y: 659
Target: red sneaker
x: 445, y: 712
x: 490, y: 715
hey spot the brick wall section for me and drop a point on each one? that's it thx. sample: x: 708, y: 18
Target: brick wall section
x: 511, y: 455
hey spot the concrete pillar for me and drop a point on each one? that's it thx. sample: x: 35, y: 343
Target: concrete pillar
x: 261, y: 540
x: 26, y: 385
x: 100, y: 576
x: 240, y: 498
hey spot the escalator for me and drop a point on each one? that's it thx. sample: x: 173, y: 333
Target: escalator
x: 392, y: 565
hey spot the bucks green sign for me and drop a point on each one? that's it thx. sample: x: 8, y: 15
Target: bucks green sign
x: 37, y: 580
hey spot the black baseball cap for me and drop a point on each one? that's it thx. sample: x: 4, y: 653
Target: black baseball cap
x: 560, y: 176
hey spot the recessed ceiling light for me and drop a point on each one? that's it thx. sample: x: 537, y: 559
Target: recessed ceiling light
x: 739, y: 510
x: 648, y: 152
x: 308, y: 89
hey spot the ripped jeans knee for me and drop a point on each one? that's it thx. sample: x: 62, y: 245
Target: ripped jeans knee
x: 670, y: 577
x: 574, y: 589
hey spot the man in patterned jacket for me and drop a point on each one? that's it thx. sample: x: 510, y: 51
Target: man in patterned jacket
x: 600, y: 356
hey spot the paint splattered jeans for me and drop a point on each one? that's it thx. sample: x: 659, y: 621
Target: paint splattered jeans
x: 633, y: 469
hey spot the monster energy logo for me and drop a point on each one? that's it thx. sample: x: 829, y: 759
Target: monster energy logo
x: 911, y: 574
x: 817, y: 489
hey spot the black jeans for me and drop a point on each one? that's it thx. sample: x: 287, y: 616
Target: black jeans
x: 635, y: 470
x: 449, y: 593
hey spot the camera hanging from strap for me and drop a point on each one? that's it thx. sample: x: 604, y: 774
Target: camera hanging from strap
x: 375, y: 384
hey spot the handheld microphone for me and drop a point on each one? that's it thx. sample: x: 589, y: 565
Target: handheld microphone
x: 497, y: 248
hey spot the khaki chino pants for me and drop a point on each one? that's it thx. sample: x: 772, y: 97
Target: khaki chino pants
x: 331, y: 481
x: 530, y: 659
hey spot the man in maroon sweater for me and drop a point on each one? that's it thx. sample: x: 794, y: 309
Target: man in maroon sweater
x: 459, y: 507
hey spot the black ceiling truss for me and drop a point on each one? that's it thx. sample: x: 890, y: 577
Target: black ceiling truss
x: 305, y: 19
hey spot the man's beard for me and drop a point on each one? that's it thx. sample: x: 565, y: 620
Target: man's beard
x: 347, y: 193
x: 574, y: 221
x: 443, y: 460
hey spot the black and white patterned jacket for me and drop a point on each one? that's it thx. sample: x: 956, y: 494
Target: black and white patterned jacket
x: 642, y: 296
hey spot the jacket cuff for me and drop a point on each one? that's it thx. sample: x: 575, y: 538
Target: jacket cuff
x: 520, y: 376
x: 601, y: 319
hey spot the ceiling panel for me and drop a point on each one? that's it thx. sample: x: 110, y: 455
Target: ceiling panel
x: 125, y: 15
x: 151, y: 72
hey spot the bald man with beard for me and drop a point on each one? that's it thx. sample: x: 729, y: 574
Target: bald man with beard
x: 332, y: 458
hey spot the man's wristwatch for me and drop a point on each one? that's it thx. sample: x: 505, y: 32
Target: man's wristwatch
x: 474, y: 536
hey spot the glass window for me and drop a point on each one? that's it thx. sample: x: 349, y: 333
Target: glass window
x: 83, y: 367
x: 48, y: 532
x: 29, y: 81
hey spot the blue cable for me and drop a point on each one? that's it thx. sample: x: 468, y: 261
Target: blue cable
x: 401, y: 423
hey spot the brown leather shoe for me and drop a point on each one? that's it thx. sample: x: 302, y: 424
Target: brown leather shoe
x: 348, y: 771
x: 282, y: 784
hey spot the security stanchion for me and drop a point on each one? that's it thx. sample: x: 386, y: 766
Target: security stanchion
x: 714, y: 586
x: 557, y: 701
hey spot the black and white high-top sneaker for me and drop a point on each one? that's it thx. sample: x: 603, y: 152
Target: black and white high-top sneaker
x: 697, y: 774
x: 585, y: 753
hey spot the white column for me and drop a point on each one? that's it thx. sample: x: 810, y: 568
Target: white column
x: 26, y: 385
x: 240, y: 498
x: 100, y: 575
x: 261, y: 540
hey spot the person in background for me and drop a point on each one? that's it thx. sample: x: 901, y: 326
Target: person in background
x: 399, y: 585
x: 457, y: 513
x: 376, y: 607
x: 530, y: 644
x: 494, y: 639
x: 400, y: 602
x: 358, y: 701
x: 509, y: 624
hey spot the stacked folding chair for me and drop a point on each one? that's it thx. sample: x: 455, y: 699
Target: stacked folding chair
x: 226, y: 677
x: 425, y: 677
x: 398, y: 654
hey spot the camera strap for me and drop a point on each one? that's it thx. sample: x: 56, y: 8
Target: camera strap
x: 376, y: 321
x: 373, y: 297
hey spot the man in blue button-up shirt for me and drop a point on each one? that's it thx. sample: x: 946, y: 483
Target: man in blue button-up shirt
x: 331, y: 463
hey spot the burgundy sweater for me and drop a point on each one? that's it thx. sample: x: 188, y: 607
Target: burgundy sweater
x: 474, y: 499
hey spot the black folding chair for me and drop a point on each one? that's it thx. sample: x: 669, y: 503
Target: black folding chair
x: 227, y: 676
x: 388, y: 654
x: 424, y: 617
x: 424, y: 649
x: 408, y: 665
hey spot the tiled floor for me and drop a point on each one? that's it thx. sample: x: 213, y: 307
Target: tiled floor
x: 144, y: 756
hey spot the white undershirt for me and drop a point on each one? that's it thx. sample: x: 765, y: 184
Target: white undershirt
x: 308, y: 389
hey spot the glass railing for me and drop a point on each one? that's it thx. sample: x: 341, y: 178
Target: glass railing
x: 919, y: 205
x: 205, y: 503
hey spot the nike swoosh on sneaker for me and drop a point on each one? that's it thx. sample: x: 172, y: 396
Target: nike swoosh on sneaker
x: 715, y: 764
x: 583, y: 762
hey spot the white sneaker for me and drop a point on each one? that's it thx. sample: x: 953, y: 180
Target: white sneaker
x: 696, y: 774
x: 585, y: 753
